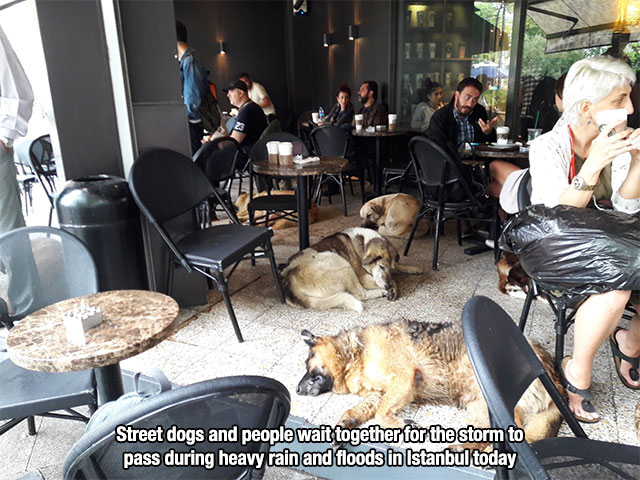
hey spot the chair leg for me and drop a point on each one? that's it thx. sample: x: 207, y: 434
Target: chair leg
x: 274, y: 269
x: 413, y: 232
x: 561, y: 315
x: 496, y: 233
x: 436, y: 240
x: 222, y: 286
x: 527, y: 306
x: 31, y: 425
x: 344, y: 199
x: 362, y: 192
x: 50, y: 214
x: 459, y: 231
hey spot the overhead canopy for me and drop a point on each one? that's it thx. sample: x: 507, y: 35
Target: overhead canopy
x: 574, y: 24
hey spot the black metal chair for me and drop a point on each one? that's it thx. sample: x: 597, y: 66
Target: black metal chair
x: 445, y: 191
x: 168, y: 187
x: 44, y: 165
x: 274, y: 206
x: 505, y: 365
x: 401, y: 175
x: 222, y: 404
x: 217, y: 159
x: 26, y: 177
x: 44, y: 265
x: 333, y: 141
x: 305, y: 125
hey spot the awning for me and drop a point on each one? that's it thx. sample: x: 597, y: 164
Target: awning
x: 574, y: 24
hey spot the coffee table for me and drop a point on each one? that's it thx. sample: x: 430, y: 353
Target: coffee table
x: 132, y: 321
x: 302, y: 174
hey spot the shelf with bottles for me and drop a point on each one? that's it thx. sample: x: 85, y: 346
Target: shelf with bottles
x: 434, y: 51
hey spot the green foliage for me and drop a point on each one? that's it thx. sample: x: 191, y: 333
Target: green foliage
x: 633, y: 52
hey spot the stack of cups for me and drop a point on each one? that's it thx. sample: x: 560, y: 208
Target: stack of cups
x: 393, y: 120
x: 503, y: 135
x: 285, y: 153
x: 359, y: 121
x: 272, y: 149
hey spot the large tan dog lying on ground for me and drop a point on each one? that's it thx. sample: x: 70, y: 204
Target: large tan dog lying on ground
x: 343, y: 269
x: 243, y: 214
x: 392, y: 215
x: 394, y: 364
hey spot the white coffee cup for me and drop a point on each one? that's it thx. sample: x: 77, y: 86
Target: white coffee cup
x: 359, y: 118
x: 285, y: 153
x: 393, y: 120
x: 503, y: 135
x: 272, y: 149
x: 315, y: 117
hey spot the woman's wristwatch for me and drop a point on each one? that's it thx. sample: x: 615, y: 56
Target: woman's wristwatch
x: 579, y: 184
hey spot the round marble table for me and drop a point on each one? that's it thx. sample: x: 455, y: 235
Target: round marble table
x: 513, y: 154
x: 132, y: 321
x: 379, y: 137
x: 302, y: 173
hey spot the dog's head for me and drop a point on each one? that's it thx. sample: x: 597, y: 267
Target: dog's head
x: 323, y: 366
x: 372, y: 214
x: 379, y: 259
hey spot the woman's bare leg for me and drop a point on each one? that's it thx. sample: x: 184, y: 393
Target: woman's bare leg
x: 596, y: 319
x: 499, y: 170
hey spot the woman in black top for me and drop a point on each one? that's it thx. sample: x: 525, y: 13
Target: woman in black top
x: 342, y: 112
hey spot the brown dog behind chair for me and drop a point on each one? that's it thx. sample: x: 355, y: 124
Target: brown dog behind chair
x: 392, y: 215
x: 511, y: 276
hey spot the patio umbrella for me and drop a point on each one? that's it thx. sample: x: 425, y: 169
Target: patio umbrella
x: 489, y: 69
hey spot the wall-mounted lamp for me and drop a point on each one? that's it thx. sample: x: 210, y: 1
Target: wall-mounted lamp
x: 353, y: 32
x: 222, y: 49
x: 326, y: 39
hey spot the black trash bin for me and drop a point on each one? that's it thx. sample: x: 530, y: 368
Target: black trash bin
x: 100, y: 211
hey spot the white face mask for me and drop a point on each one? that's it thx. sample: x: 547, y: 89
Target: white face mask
x: 607, y: 117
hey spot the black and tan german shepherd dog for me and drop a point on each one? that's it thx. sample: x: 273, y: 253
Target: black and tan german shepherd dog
x: 394, y: 364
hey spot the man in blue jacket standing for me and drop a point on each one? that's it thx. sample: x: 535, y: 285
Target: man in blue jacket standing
x: 194, y: 82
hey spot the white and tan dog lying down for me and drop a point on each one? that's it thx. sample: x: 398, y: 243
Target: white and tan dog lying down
x: 243, y: 214
x: 342, y: 270
x: 393, y: 215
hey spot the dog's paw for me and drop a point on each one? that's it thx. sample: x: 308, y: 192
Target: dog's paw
x: 392, y: 293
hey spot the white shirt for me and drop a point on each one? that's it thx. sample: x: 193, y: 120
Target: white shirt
x: 550, y: 159
x: 16, y: 95
x: 257, y: 94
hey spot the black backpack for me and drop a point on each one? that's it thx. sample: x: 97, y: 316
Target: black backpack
x: 209, y: 109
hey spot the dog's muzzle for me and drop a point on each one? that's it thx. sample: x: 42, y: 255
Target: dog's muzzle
x: 313, y: 384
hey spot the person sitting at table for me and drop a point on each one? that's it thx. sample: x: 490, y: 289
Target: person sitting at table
x: 374, y: 113
x: 250, y: 120
x: 572, y: 164
x: 543, y: 110
x: 464, y: 121
x: 425, y: 110
x: 341, y: 115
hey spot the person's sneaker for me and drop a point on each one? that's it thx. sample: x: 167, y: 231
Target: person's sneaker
x: 490, y: 243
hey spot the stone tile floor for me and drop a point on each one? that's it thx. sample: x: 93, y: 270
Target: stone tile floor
x: 204, y: 345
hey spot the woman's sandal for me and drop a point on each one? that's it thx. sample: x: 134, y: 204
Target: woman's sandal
x: 585, y: 393
x: 618, y: 356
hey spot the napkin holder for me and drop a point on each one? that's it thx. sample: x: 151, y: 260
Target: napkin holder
x: 79, y: 320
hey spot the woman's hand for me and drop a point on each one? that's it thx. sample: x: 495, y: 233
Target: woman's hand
x: 605, y: 148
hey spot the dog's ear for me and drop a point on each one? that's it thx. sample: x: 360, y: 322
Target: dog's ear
x: 309, y: 338
x: 377, y: 209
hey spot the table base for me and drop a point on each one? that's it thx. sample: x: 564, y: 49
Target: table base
x: 109, y: 383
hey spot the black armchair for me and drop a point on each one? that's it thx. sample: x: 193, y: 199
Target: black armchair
x: 44, y: 265
x: 168, y: 188
x: 505, y: 365
x: 445, y: 191
x: 43, y: 163
x: 243, y: 402
x: 333, y: 141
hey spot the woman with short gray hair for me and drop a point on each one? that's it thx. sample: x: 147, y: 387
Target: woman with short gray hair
x: 591, y: 155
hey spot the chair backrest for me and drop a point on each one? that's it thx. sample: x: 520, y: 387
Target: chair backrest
x: 505, y: 365
x: 524, y: 190
x: 44, y: 265
x: 272, y: 127
x: 330, y: 140
x: 217, y: 158
x: 41, y: 156
x: 223, y: 404
x: 259, y: 150
x: 166, y: 184
x: 436, y: 169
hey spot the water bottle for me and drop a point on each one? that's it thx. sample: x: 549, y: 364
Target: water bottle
x: 321, y: 114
